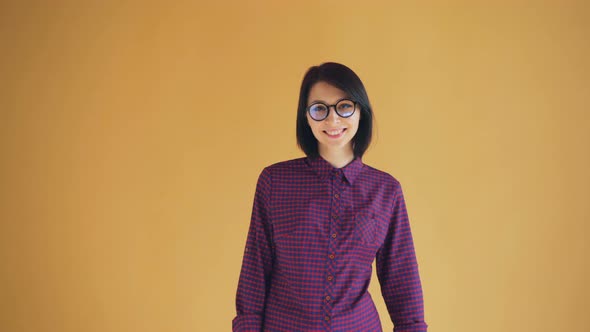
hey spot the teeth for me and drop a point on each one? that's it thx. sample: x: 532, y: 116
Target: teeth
x: 334, y: 132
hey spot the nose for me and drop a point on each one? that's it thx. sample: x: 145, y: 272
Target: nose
x: 333, y: 116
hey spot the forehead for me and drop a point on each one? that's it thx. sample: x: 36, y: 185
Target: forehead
x: 325, y: 92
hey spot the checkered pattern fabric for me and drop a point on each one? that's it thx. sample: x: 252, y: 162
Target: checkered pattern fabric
x: 314, y: 233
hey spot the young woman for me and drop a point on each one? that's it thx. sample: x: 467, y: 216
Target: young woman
x: 318, y: 222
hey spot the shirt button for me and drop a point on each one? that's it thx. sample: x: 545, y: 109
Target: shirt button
x: 327, y: 318
x: 331, y: 256
x: 336, y: 195
x: 330, y: 278
x: 333, y: 235
x: 334, y: 216
x: 328, y: 298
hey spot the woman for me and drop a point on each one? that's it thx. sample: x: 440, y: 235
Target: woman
x: 318, y: 222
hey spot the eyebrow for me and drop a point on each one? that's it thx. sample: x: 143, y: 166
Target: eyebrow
x: 324, y: 102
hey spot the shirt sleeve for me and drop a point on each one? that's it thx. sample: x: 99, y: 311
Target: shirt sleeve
x: 254, y: 280
x: 397, y: 271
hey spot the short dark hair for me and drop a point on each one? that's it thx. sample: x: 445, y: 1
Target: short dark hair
x: 345, y: 79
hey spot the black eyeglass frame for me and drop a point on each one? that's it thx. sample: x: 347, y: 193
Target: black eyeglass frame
x: 354, y: 103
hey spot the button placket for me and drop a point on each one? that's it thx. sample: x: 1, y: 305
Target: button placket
x: 333, y: 221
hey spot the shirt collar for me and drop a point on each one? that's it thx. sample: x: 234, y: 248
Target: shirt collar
x: 324, y: 169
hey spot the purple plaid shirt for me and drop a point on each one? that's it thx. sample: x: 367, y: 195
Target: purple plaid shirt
x: 314, y: 233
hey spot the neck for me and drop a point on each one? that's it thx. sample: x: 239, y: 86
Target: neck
x: 339, y: 157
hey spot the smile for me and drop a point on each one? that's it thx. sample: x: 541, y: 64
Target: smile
x: 335, y: 133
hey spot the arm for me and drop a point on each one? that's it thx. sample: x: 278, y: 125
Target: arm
x: 254, y: 278
x: 397, y: 271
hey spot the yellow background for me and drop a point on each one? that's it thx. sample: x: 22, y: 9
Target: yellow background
x: 132, y: 135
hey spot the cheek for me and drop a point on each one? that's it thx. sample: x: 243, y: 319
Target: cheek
x: 355, y: 124
x: 312, y: 125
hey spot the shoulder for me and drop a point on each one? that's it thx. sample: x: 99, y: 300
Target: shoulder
x: 378, y: 175
x: 285, y: 169
x: 289, y: 166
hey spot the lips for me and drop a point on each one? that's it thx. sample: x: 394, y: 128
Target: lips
x: 335, y: 132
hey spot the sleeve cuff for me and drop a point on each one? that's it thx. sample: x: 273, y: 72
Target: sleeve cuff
x: 247, y: 323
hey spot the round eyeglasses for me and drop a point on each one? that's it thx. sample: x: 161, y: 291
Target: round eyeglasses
x: 344, y: 108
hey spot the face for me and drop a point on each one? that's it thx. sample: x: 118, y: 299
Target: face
x: 334, y: 132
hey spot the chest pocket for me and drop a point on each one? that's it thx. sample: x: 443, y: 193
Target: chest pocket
x: 366, y: 228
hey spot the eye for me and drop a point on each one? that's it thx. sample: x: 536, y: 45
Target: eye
x: 345, y: 105
x: 318, y: 108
